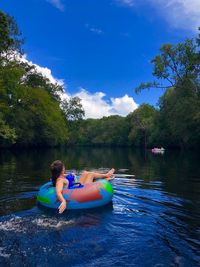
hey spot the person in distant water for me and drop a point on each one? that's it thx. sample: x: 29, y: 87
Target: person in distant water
x: 59, y: 180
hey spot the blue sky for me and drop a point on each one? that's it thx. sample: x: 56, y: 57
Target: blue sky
x: 101, y: 49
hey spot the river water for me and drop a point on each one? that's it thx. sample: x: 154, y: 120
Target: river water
x: 154, y: 219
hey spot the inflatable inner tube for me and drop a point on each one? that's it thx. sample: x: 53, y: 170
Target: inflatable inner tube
x: 87, y: 196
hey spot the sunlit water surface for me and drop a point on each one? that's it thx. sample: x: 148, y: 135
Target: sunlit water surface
x: 154, y: 219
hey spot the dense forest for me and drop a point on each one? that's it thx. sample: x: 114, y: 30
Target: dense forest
x: 32, y: 112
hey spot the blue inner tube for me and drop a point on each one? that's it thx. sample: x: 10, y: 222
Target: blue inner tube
x: 78, y: 196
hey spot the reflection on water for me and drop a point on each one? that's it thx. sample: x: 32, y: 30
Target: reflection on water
x: 154, y: 219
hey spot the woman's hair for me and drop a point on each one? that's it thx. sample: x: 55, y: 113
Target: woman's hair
x: 56, y: 170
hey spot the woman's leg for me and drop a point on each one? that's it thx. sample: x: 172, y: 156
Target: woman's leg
x: 88, y: 177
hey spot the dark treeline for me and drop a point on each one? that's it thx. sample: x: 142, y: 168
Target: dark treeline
x: 33, y: 114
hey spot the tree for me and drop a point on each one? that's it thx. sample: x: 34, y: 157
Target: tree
x: 178, y: 118
x: 10, y: 36
x: 36, y: 80
x: 32, y: 112
x: 73, y: 109
x: 107, y: 131
x: 141, y: 124
x: 174, y: 65
x: 112, y: 130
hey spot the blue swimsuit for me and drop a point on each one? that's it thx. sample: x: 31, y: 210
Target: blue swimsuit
x: 70, y: 177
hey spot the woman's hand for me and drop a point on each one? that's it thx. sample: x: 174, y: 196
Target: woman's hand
x: 62, y: 206
x: 59, y: 188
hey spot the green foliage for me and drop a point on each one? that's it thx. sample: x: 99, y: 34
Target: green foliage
x: 147, y: 85
x: 141, y: 125
x: 73, y: 109
x: 108, y: 131
x: 7, y: 134
x: 37, y: 80
x: 178, y: 121
x: 43, y: 123
x: 174, y: 65
x: 10, y: 36
x: 33, y: 112
x: 111, y: 130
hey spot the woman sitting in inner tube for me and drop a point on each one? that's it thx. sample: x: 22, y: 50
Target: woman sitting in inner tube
x: 59, y: 180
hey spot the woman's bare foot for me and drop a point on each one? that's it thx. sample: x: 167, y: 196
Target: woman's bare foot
x: 109, y: 175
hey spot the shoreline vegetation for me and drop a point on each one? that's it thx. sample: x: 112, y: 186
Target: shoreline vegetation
x: 33, y: 114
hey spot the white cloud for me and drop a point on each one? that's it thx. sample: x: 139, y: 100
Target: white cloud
x: 57, y: 3
x: 123, y: 105
x: 128, y: 3
x: 180, y: 13
x: 93, y: 104
x: 96, y: 106
x: 94, y: 29
x: 183, y: 14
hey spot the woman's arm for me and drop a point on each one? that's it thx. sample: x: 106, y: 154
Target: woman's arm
x: 59, y: 188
